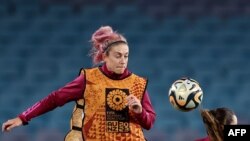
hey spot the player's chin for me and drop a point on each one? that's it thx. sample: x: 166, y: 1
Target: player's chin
x: 119, y: 70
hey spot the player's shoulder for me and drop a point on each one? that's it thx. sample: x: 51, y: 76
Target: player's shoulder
x: 83, y: 70
x: 139, y: 76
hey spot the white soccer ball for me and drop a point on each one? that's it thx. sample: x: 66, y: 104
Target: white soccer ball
x: 185, y: 94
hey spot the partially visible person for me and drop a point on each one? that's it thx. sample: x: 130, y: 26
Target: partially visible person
x: 112, y: 103
x: 215, y: 120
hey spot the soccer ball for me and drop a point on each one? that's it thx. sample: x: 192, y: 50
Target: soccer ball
x: 185, y: 94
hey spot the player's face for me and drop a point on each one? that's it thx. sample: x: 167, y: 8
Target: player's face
x: 235, y: 121
x: 117, y: 58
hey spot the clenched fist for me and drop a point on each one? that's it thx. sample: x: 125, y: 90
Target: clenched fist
x: 134, y: 104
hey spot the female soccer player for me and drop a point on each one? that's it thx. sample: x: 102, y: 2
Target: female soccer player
x: 112, y: 102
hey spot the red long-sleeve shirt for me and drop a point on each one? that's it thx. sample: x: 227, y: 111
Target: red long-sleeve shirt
x: 74, y: 91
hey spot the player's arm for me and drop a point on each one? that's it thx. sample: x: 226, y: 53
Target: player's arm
x: 70, y: 92
x: 144, y: 111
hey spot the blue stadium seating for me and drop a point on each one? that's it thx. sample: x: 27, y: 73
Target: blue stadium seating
x: 43, y: 49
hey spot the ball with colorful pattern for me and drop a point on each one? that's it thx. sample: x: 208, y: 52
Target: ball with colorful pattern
x: 185, y: 94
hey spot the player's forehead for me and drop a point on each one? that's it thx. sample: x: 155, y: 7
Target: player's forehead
x: 120, y: 48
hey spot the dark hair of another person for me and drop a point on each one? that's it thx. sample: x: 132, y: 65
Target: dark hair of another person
x: 215, y: 120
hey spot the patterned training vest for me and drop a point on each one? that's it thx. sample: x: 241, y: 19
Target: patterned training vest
x: 102, y: 114
x: 75, y: 134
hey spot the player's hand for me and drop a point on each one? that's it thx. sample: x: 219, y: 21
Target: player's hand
x: 9, y: 124
x: 134, y: 104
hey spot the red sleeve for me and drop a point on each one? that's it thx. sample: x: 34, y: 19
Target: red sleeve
x: 70, y: 92
x: 203, y: 139
x: 147, y: 118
